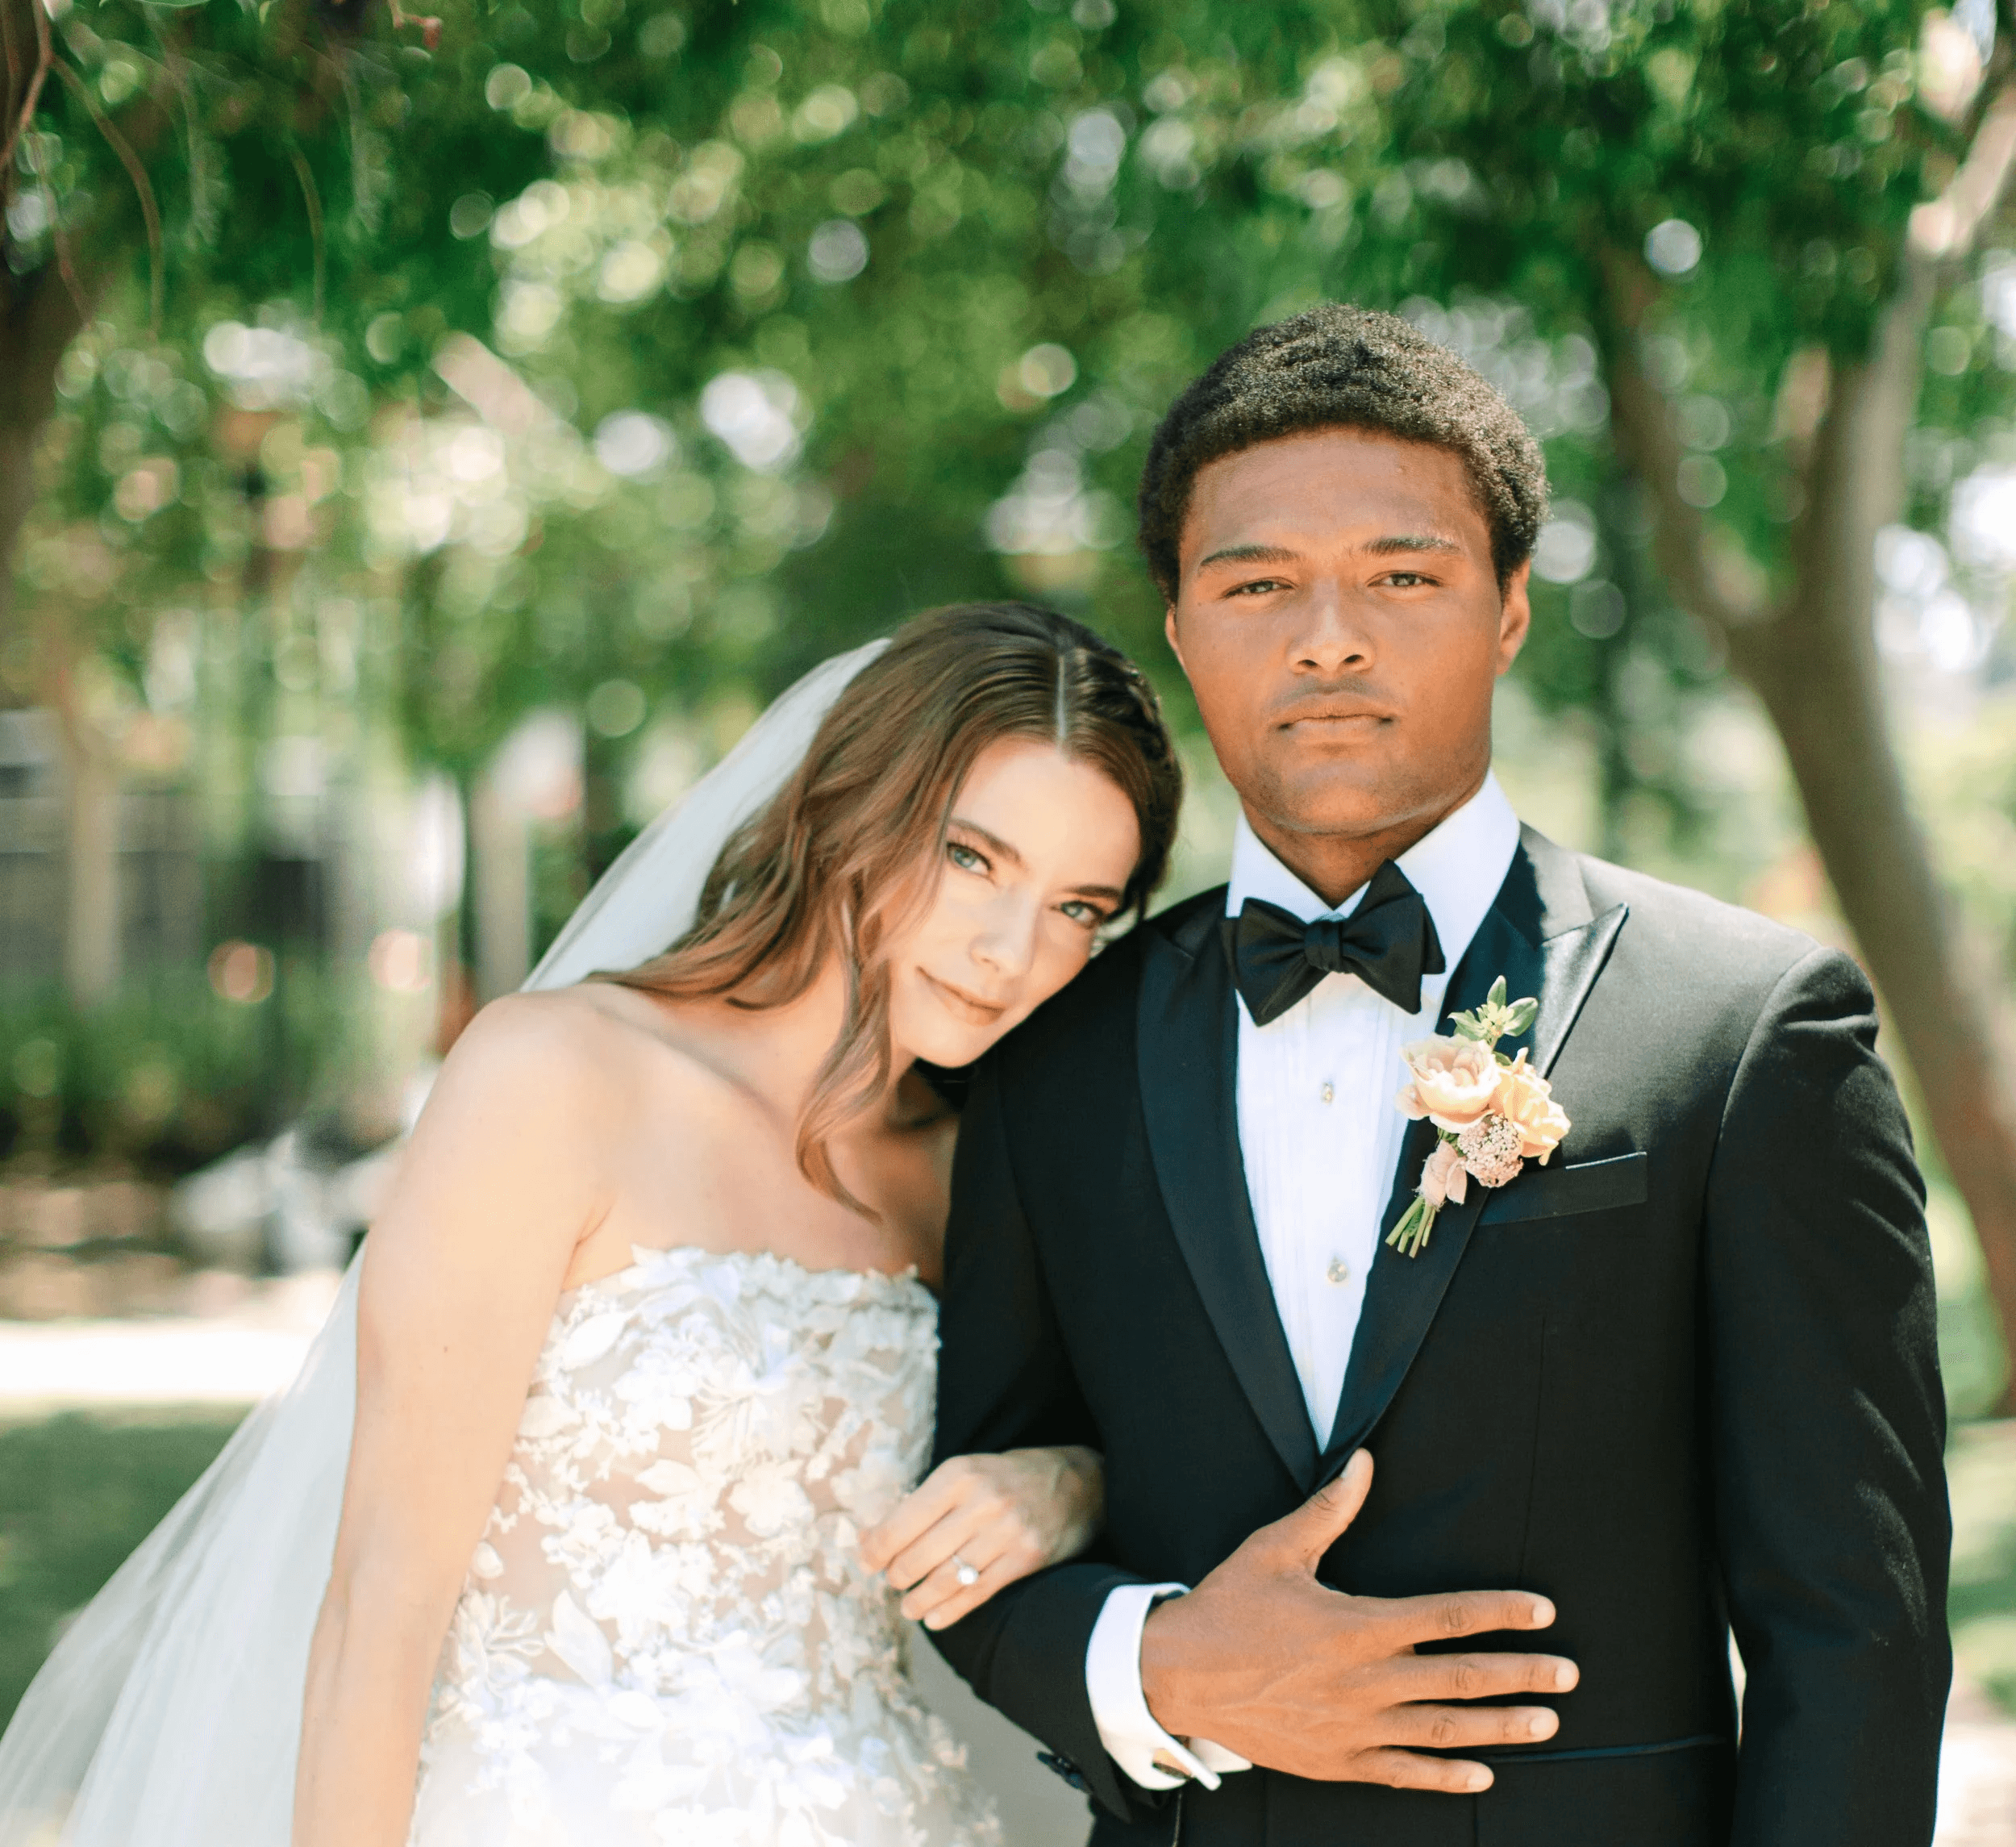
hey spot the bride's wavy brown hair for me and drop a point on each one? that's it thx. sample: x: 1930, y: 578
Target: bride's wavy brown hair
x: 850, y: 847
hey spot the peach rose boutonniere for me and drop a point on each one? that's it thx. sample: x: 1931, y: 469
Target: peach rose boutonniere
x: 1492, y: 1113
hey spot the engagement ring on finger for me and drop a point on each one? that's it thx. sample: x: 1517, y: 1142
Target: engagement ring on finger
x: 965, y: 1572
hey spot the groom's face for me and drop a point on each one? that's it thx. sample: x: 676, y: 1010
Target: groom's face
x: 1342, y: 626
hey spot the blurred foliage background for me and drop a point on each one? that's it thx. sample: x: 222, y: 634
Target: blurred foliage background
x: 426, y: 442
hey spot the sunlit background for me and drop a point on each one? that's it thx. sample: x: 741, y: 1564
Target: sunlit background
x: 425, y: 445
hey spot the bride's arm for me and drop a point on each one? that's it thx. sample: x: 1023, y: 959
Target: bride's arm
x: 1000, y: 1516
x: 461, y: 1273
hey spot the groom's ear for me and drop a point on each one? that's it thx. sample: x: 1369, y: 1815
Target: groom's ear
x: 1168, y: 628
x: 1515, y: 616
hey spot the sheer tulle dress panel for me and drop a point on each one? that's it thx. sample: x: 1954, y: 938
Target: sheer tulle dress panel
x: 667, y: 1635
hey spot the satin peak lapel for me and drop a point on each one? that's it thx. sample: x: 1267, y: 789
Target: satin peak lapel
x: 1525, y: 938
x: 1189, y: 1052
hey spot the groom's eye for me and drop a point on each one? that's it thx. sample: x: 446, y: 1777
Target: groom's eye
x: 1260, y: 586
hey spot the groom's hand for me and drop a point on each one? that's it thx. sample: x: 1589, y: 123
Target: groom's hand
x: 1262, y: 1659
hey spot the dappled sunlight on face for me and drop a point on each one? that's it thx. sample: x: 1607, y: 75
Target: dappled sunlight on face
x: 1037, y: 856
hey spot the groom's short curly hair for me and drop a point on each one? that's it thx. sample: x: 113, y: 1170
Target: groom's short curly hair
x: 1338, y: 367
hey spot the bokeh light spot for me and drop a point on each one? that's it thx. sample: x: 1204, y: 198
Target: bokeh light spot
x: 241, y: 973
x: 1673, y: 247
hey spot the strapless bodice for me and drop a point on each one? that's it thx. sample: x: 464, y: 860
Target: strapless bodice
x: 666, y: 1634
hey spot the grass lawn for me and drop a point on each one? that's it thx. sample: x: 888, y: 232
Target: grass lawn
x: 78, y: 1492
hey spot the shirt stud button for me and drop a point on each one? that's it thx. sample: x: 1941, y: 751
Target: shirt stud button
x: 1329, y: 1093
x: 1339, y: 1271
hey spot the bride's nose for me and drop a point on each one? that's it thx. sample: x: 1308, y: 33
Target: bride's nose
x: 1006, y: 942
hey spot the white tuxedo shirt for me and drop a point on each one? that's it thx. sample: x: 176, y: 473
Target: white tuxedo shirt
x: 1320, y: 1136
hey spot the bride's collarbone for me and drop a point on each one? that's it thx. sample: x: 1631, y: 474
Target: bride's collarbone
x: 789, y: 1220
x: 702, y: 1158
x: 702, y: 1161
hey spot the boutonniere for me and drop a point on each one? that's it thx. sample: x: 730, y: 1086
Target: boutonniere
x: 1492, y: 1113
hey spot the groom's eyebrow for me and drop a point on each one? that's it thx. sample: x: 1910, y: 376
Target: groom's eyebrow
x: 1250, y: 555
x: 1411, y: 542
x: 1380, y: 547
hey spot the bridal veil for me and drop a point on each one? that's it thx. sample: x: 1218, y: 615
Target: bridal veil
x: 169, y: 1714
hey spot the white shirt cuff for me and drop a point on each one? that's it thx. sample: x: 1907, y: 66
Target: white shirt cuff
x: 1148, y: 1755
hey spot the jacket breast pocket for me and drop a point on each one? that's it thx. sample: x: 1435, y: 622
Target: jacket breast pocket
x: 1560, y: 1192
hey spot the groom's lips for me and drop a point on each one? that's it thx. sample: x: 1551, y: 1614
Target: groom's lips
x: 1331, y: 713
x: 969, y: 1006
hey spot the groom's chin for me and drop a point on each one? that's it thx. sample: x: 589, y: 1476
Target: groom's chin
x: 1344, y: 793
x: 1336, y: 793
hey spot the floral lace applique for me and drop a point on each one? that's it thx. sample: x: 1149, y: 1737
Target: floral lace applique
x: 666, y: 1634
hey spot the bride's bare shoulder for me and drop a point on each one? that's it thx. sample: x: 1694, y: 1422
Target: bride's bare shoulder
x: 575, y: 1025
x: 595, y: 1043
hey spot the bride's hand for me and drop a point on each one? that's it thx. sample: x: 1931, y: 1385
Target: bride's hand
x: 1001, y: 1517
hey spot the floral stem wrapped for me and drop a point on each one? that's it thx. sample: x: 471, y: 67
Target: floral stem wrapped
x: 1492, y: 1113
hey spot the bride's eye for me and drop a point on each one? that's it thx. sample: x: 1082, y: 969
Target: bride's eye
x: 1081, y: 910
x: 965, y: 857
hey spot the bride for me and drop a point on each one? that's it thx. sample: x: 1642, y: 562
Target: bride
x: 642, y: 1344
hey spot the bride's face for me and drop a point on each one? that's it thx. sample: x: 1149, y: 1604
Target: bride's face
x: 1036, y: 857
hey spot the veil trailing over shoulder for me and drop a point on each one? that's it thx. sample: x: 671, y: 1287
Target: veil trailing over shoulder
x: 169, y: 1714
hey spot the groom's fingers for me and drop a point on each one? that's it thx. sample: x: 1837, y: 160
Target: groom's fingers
x: 1404, y: 1769
x: 1445, y: 1615
x: 1315, y: 1526
x: 1481, y: 1676
x: 1467, y: 1728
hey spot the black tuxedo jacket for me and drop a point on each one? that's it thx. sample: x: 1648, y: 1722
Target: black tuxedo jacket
x: 1682, y: 1378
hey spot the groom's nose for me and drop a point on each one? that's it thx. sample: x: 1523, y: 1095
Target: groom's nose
x: 1330, y: 636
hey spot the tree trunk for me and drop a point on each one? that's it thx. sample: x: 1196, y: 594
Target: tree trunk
x: 35, y: 329
x: 500, y: 894
x: 17, y: 495
x: 40, y: 314
x: 1812, y: 658
x: 91, y: 929
x: 37, y: 323
x: 1830, y: 719
x: 43, y: 311
x: 1815, y: 667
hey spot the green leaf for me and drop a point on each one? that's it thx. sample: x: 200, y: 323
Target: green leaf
x: 1496, y: 997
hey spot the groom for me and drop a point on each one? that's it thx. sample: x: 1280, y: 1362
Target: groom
x: 1441, y: 1548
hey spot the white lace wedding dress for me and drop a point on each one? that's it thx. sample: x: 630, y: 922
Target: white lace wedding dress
x: 666, y: 1634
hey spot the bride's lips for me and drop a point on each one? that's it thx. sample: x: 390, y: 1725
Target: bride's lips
x: 967, y: 1006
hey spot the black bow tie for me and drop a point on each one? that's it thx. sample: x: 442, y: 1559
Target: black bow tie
x: 1388, y: 942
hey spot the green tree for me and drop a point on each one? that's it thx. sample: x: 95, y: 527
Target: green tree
x: 1767, y: 216
x: 782, y: 317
